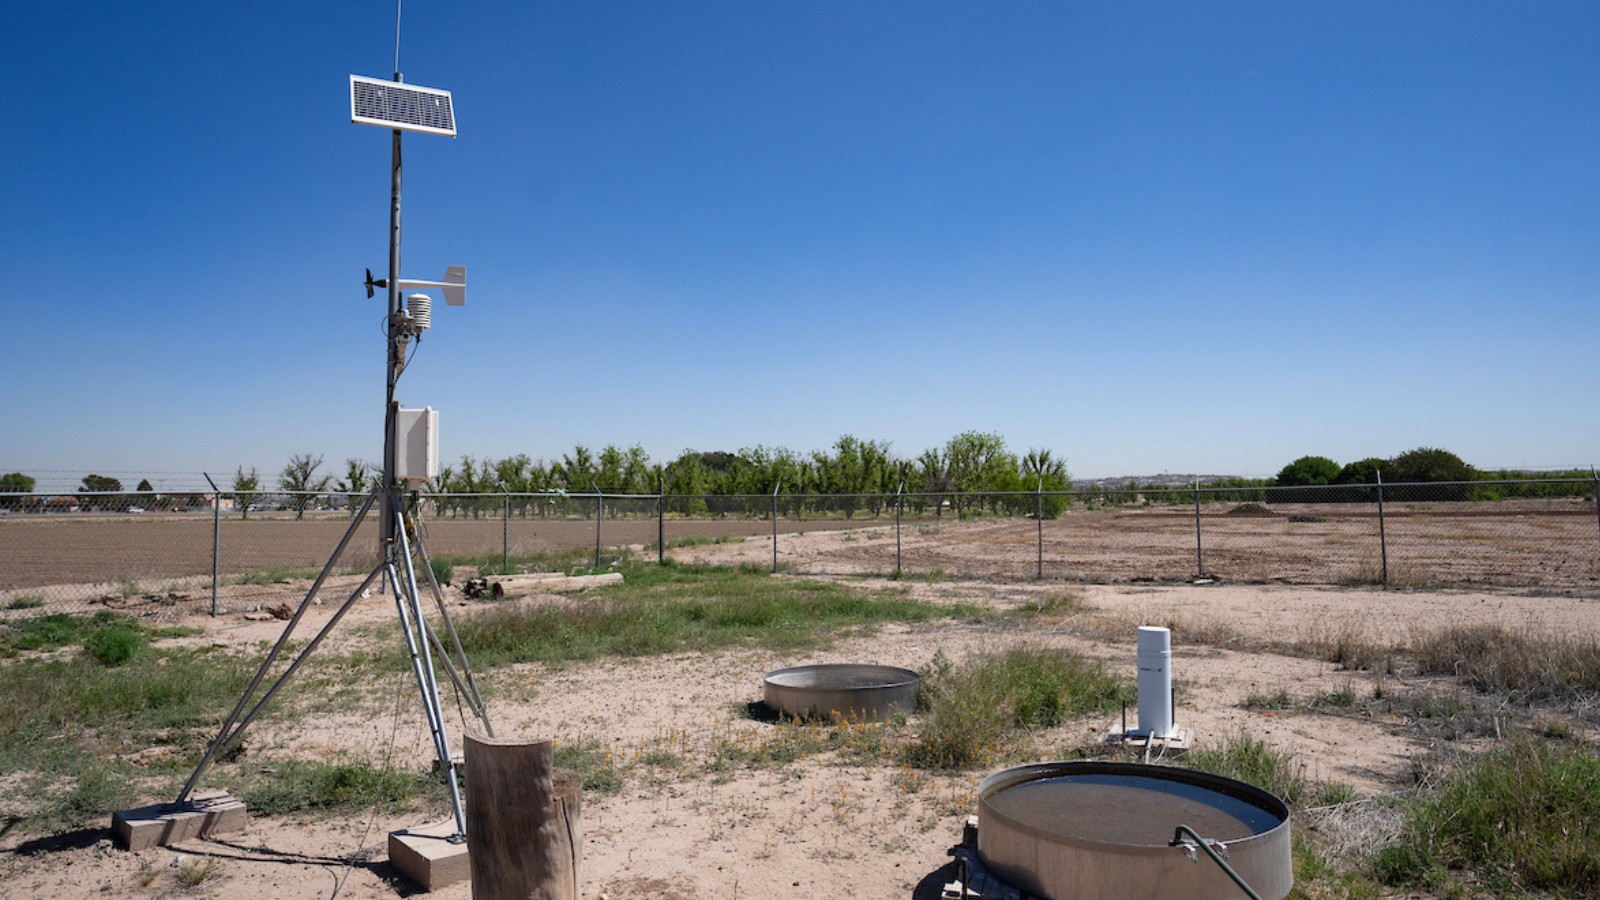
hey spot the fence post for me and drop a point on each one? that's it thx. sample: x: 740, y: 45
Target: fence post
x: 1383, y: 539
x: 599, y: 513
x: 1596, y: 494
x: 505, y: 535
x: 775, y: 527
x: 1199, y: 558
x: 216, y: 541
x: 1039, y: 520
x: 661, y: 516
x: 899, y: 500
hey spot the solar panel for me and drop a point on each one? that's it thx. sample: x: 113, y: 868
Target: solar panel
x: 392, y: 104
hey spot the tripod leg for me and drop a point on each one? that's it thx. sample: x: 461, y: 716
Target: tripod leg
x: 227, y: 738
x: 422, y: 664
x: 223, y: 738
x: 469, y: 689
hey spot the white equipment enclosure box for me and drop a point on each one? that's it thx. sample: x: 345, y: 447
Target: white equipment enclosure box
x: 416, y: 444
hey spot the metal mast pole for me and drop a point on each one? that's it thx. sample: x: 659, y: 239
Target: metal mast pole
x: 389, y: 515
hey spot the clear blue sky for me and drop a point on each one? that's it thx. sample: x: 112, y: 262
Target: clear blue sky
x: 1149, y: 237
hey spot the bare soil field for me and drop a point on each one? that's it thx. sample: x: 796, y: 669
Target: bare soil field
x: 1541, y: 545
x: 683, y: 827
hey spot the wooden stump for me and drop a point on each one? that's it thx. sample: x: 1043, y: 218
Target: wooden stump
x: 524, y: 827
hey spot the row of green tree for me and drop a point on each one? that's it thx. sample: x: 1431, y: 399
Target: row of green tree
x: 1425, y: 473
x: 971, y: 463
x: 975, y: 469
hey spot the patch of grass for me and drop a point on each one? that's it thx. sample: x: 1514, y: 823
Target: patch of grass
x: 441, y: 570
x: 115, y: 644
x: 975, y: 711
x: 1279, y: 701
x: 1318, y: 878
x: 274, y: 576
x: 295, y: 785
x: 662, y: 759
x: 1208, y: 630
x: 1253, y: 761
x: 53, y: 631
x: 97, y: 789
x: 1054, y: 606
x: 70, y: 722
x: 790, y: 740
x: 1343, y: 698
x: 1441, y: 716
x: 1528, y: 668
x: 1521, y: 820
x: 700, y: 540
x: 593, y: 763
x: 1349, y: 645
x: 27, y: 601
x: 668, y: 608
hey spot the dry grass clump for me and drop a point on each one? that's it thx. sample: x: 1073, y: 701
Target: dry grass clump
x: 1347, y: 643
x: 1526, y: 667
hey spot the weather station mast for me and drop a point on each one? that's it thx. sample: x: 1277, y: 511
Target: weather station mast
x: 410, y: 459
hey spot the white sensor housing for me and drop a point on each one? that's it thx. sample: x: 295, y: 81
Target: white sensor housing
x: 420, y: 307
x: 416, y: 445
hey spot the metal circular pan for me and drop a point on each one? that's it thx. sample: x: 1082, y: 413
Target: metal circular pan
x: 841, y: 690
x: 1086, y: 829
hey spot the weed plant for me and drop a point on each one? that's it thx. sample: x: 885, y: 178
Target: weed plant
x: 115, y: 644
x: 1523, y: 820
x: 975, y: 711
x: 442, y: 570
x: 27, y: 601
x: 194, y: 872
x: 1253, y: 761
x: 596, y: 768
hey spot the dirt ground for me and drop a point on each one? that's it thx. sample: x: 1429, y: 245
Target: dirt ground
x: 1549, y: 545
x: 815, y: 827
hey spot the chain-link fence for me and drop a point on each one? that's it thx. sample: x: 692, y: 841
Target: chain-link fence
x: 220, y: 552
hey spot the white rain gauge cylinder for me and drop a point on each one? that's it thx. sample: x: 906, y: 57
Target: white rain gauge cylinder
x: 1155, y: 682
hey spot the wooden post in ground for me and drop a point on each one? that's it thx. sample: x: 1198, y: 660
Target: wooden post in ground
x: 524, y: 828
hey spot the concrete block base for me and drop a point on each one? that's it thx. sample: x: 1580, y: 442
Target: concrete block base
x: 163, y: 824
x: 426, y: 855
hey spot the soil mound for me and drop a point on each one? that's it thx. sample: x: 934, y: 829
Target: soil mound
x: 1251, y: 509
